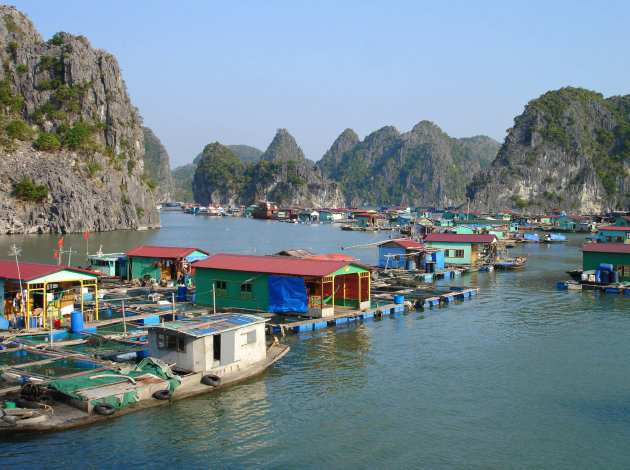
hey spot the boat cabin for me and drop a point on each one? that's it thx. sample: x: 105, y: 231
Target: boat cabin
x: 219, y: 344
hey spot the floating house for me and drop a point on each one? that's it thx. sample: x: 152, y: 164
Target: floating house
x: 622, y: 221
x: 220, y: 344
x: 613, y: 234
x: 575, y: 223
x: 399, y: 254
x: 410, y: 255
x: 464, y: 249
x: 329, y: 216
x: 370, y: 219
x: 162, y: 262
x: 282, y: 284
x: 109, y: 264
x: 615, y: 254
x: 34, y: 293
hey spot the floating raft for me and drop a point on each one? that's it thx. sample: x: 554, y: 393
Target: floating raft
x: 601, y: 287
x: 300, y: 324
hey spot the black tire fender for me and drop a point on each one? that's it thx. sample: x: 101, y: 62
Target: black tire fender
x: 211, y: 380
x: 104, y: 409
x: 162, y: 394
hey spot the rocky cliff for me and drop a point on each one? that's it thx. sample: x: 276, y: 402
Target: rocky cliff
x: 570, y: 148
x: 71, y: 145
x: 421, y: 167
x: 282, y: 175
x: 157, y: 166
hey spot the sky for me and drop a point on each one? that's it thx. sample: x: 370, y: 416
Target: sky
x: 236, y: 71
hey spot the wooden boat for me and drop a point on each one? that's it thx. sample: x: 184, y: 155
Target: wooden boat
x: 106, y: 393
x: 511, y: 263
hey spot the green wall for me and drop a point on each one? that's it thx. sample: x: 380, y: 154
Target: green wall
x: 592, y: 260
x: 205, y: 278
x: 141, y: 266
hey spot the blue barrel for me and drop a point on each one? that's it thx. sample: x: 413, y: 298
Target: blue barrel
x: 614, y: 277
x: 181, y: 293
x: 4, y: 324
x: 605, y: 276
x: 76, y: 321
x: 598, y: 276
x: 606, y: 267
x: 399, y: 299
x: 411, y: 264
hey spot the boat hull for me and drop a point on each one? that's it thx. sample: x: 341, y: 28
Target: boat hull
x: 66, y: 416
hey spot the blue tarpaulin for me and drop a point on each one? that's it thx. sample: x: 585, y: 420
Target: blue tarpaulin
x: 287, y: 294
x: 557, y: 236
x: 531, y: 237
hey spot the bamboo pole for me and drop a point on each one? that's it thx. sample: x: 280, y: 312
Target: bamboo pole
x: 214, y: 300
x: 124, y: 320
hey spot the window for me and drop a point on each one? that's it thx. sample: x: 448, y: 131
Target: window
x: 459, y: 254
x: 609, y: 239
x: 626, y: 271
x: 250, y: 337
x: 221, y: 287
x: 171, y: 342
x: 618, y: 240
x: 246, y: 290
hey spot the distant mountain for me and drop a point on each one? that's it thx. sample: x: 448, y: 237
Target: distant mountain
x: 182, y: 181
x: 245, y: 153
x: 282, y: 175
x: 570, y: 148
x: 421, y: 167
x: 157, y: 166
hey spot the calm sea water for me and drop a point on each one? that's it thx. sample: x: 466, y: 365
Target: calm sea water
x: 521, y: 376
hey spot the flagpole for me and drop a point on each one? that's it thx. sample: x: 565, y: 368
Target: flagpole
x: 87, y: 251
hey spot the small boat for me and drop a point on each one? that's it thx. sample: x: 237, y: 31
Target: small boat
x: 511, y: 263
x: 208, y: 352
x: 554, y: 238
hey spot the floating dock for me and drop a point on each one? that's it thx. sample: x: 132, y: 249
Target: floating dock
x: 288, y: 323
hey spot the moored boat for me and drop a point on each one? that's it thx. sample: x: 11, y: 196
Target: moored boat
x: 212, y: 352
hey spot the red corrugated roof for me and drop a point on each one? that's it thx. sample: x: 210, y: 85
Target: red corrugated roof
x: 331, y: 257
x: 461, y: 238
x: 614, y: 227
x: 28, y: 271
x: 163, y: 251
x: 618, y: 248
x: 408, y: 243
x: 274, y: 265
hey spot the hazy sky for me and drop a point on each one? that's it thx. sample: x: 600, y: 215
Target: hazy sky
x: 234, y: 72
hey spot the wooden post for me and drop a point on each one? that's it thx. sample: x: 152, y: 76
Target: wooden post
x: 173, y: 304
x: 51, y: 328
x: 214, y: 300
x: 124, y: 320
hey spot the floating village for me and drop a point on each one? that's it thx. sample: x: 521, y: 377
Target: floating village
x: 142, y: 328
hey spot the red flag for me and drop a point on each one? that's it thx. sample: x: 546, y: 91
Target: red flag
x: 86, y: 234
x: 56, y: 254
x: 60, y: 243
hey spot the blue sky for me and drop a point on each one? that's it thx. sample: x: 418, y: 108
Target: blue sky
x: 234, y: 72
